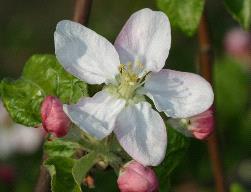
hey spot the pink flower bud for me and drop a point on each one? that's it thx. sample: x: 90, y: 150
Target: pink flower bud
x: 134, y: 177
x: 238, y: 43
x: 201, y: 125
x: 54, y: 119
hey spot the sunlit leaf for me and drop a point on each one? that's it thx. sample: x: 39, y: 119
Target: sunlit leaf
x: 45, y: 71
x: 61, y: 147
x: 184, y: 14
x: 22, y: 98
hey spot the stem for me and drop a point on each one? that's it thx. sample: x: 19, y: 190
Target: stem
x: 205, y: 64
x: 81, y: 15
x: 43, y: 182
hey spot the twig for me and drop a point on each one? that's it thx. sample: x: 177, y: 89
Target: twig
x: 206, y: 65
x: 43, y: 182
x: 82, y: 11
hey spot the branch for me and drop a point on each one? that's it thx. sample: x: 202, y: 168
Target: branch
x: 206, y: 65
x: 43, y: 182
x: 82, y: 11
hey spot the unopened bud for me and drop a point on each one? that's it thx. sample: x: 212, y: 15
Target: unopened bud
x: 134, y: 177
x: 199, y: 126
x: 102, y: 164
x: 202, y: 125
x: 54, y: 119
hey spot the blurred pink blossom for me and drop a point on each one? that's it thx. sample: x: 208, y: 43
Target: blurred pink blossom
x: 238, y: 43
x: 7, y: 174
x: 54, y: 119
x: 134, y: 177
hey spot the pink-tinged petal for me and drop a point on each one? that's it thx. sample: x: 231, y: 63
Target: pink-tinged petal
x: 96, y: 115
x: 84, y: 53
x: 142, y: 133
x: 202, y: 125
x: 145, y: 38
x: 54, y: 119
x: 134, y: 177
x: 179, y: 94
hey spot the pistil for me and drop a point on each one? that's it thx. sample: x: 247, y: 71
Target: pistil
x: 128, y: 82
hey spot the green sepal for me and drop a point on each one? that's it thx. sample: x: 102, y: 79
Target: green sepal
x: 83, y: 165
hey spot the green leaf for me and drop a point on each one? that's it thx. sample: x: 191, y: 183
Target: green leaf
x: 46, y: 71
x: 241, y: 11
x: 184, y: 15
x: 176, y: 150
x: 42, y: 75
x: 83, y: 165
x: 61, y: 147
x: 228, y: 110
x: 22, y: 99
x: 236, y: 187
x: 60, y: 169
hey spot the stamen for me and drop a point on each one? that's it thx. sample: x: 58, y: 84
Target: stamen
x: 129, y: 80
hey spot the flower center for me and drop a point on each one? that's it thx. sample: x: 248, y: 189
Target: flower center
x: 129, y: 80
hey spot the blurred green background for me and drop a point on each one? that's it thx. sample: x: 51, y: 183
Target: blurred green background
x: 27, y: 27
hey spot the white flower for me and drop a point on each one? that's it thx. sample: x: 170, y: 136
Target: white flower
x: 130, y: 68
x: 15, y: 137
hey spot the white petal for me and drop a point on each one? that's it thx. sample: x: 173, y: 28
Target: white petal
x: 84, y: 53
x: 27, y: 139
x: 142, y: 133
x: 96, y: 115
x: 179, y: 94
x: 146, y: 37
x: 6, y: 142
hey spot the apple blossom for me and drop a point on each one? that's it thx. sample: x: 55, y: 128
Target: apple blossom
x: 15, y: 137
x: 130, y: 69
x: 237, y: 42
x: 199, y: 126
x: 134, y: 177
x: 54, y: 119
